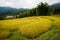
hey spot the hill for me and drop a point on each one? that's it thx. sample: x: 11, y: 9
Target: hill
x: 56, y: 5
x: 10, y: 11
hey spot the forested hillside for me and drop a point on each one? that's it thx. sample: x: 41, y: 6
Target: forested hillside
x: 10, y: 11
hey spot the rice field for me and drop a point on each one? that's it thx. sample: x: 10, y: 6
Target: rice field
x: 31, y: 28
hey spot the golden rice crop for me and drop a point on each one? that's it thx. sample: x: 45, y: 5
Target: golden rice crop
x: 55, y: 19
x: 35, y: 28
x: 15, y: 23
x: 29, y: 26
x: 57, y: 22
x: 4, y: 34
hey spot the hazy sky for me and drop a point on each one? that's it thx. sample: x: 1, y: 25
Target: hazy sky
x: 24, y: 3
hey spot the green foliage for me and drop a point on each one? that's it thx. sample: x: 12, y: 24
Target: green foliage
x: 24, y: 14
x: 16, y: 36
x: 2, y: 17
x: 41, y: 9
x: 57, y: 11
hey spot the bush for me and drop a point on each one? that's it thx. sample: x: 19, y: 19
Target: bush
x: 2, y: 17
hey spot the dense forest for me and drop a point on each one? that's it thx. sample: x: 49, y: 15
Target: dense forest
x: 42, y: 9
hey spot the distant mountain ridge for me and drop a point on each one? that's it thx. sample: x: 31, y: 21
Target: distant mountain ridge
x: 10, y: 11
x: 56, y: 5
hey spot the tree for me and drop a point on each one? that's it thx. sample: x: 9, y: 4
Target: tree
x: 2, y: 17
x: 43, y: 9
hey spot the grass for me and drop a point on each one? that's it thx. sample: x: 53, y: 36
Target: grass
x: 17, y: 36
x: 30, y: 28
x: 50, y: 35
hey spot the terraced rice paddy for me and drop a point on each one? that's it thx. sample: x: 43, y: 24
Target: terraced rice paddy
x: 31, y: 28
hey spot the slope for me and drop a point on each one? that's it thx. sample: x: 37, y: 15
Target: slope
x: 31, y: 28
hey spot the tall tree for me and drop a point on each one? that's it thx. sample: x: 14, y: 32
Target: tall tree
x: 43, y: 8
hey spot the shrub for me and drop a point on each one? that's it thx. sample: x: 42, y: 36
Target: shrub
x: 2, y: 17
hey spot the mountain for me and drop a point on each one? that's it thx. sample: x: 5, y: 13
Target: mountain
x: 10, y: 11
x: 56, y: 5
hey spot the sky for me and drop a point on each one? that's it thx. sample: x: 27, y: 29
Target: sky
x: 24, y: 3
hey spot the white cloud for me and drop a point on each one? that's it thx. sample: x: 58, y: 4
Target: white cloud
x: 9, y: 4
x: 5, y: 3
x: 24, y: 3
